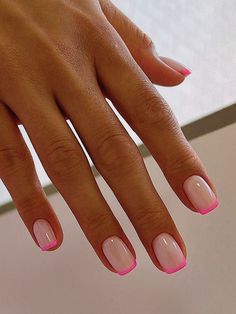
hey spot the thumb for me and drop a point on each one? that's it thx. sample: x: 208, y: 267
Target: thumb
x: 160, y: 70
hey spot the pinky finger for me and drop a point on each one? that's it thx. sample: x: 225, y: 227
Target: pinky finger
x: 18, y: 174
x: 160, y: 70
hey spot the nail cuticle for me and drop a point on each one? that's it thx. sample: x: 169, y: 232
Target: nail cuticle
x: 168, y: 253
x: 200, y: 194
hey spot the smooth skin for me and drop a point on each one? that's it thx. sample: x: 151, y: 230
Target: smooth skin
x: 61, y: 60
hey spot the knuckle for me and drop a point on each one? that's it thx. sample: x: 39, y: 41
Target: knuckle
x: 188, y: 161
x: 30, y: 204
x: 11, y: 159
x: 150, y: 217
x: 117, y: 152
x: 144, y: 40
x: 152, y: 111
x: 97, y: 222
x: 63, y: 157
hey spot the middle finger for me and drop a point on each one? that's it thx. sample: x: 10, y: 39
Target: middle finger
x: 117, y: 158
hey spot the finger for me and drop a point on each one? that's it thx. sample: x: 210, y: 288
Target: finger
x: 67, y: 166
x: 160, y: 70
x: 18, y: 173
x: 118, y: 160
x: 153, y: 120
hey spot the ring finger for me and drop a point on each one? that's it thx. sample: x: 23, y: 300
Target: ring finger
x: 67, y: 166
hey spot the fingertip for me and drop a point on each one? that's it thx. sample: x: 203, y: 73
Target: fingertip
x: 171, y: 81
x: 48, y: 237
x: 56, y: 244
x: 49, y: 246
x: 158, y: 71
x: 177, y: 66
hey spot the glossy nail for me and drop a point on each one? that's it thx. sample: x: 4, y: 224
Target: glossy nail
x: 177, y: 66
x: 168, y: 253
x: 118, y: 255
x: 200, y: 194
x: 44, y: 234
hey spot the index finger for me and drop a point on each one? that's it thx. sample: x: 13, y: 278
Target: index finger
x: 141, y: 105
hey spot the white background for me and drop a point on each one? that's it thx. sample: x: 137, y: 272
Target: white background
x: 73, y: 280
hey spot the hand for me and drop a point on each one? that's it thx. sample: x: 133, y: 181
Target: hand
x: 59, y: 59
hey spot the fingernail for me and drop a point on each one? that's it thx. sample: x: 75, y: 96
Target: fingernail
x: 168, y: 253
x: 200, y: 194
x: 182, y: 69
x: 118, y: 255
x: 44, y: 234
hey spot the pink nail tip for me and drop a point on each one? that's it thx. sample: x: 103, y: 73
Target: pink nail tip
x: 185, y: 72
x: 44, y: 234
x: 200, y: 194
x: 118, y: 255
x: 209, y: 209
x: 174, y: 270
x: 124, y: 272
x: 49, y: 246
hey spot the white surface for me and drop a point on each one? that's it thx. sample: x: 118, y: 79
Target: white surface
x: 200, y: 34
x: 73, y: 280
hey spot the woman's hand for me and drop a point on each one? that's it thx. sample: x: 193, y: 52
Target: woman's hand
x: 59, y: 58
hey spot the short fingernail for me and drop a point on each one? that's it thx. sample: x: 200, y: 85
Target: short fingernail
x: 200, y: 194
x: 44, y: 234
x: 182, y: 69
x: 118, y: 255
x: 168, y: 253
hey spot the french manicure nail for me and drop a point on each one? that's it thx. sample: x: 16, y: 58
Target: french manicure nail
x: 200, y: 194
x: 44, y: 234
x: 118, y: 255
x: 177, y: 66
x: 168, y: 253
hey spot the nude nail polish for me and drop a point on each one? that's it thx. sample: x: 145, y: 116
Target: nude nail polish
x: 168, y: 253
x: 200, y: 194
x: 118, y: 255
x: 177, y: 66
x: 44, y: 234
